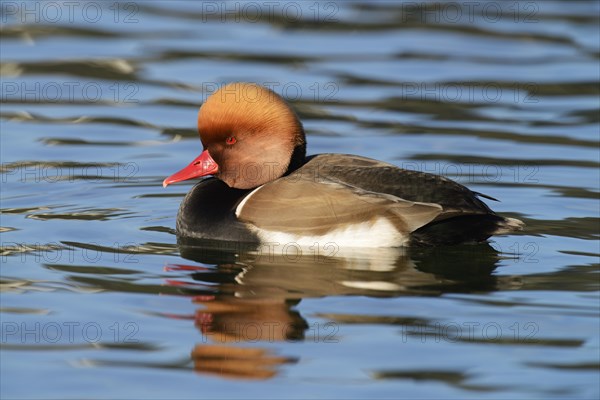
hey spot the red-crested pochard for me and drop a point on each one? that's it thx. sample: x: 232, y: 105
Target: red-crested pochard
x: 264, y: 188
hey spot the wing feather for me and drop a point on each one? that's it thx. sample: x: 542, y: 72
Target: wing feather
x: 284, y: 206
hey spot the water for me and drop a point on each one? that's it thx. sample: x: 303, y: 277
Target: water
x: 99, y: 105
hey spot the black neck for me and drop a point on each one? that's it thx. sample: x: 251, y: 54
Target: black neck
x: 298, y: 158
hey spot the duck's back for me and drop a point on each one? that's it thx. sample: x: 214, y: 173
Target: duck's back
x: 377, y: 176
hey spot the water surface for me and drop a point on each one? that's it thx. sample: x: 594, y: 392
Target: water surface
x: 99, y: 105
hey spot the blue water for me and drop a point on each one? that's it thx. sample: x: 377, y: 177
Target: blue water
x: 99, y: 105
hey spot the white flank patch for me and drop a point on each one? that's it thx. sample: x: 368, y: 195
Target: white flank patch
x: 381, y: 233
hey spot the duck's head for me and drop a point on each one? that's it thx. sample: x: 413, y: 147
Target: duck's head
x: 250, y: 136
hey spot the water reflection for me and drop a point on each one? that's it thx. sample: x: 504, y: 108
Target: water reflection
x: 87, y: 229
x: 237, y: 362
x: 247, y: 297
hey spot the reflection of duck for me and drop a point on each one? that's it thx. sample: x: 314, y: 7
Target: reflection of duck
x: 268, y: 191
x: 236, y: 362
x: 258, y: 274
x: 249, y: 296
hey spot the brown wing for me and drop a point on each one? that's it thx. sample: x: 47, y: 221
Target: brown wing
x: 300, y: 204
x: 377, y: 176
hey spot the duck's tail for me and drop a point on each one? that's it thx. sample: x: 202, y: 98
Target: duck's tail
x: 509, y: 225
x: 464, y: 229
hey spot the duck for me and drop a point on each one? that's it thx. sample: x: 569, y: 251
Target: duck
x: 259, y: 186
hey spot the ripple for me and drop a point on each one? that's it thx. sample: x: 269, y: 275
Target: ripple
x: 25, y: 310
x: 83, y: 142
x: 115, y: 69
x: 25, y: 116
x: 452, y: 378
x: 98, y: 214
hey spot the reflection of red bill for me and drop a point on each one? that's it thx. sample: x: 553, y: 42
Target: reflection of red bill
x: 203, y: 319
x: 181, y: 267
x: 172, y: 282
x: 200, y: 299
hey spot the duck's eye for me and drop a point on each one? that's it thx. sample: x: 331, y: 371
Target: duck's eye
x: 230, y: 140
